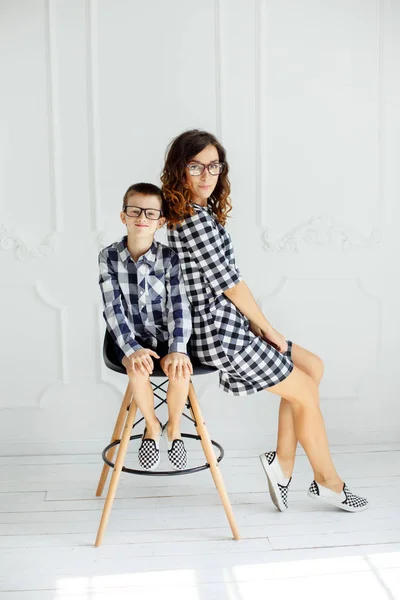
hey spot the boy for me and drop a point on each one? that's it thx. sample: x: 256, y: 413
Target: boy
x: 147, y: 314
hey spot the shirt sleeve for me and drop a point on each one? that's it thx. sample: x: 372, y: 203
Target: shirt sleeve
x: 178, y: 309
x: 206, y: 245
x: 114, y: 313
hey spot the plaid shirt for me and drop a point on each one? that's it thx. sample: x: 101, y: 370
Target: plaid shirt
x: 146, y: 298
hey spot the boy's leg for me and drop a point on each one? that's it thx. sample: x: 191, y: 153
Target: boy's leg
x: 177, y: 394
x: 142, y: 392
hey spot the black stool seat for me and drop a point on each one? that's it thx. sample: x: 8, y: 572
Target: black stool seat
x: 111, y: 361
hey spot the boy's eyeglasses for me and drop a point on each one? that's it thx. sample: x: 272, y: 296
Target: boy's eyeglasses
x: 197, y: 168
x: 150, y: 213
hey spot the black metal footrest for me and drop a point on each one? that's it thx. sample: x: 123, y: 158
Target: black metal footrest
x: 162, y: 473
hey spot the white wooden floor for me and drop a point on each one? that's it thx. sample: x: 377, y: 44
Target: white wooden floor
x: 168, y: 538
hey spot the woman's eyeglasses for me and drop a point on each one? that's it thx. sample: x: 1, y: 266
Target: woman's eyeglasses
x: 197, y: 168
x: 150, y: 213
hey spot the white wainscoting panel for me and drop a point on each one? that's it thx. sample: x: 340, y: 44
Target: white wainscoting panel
x: 305, y: 98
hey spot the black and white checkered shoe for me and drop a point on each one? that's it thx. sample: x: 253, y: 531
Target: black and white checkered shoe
x: 149, y: 453
x: 176, y: 451
x: 346, y: 500
x: 273, y: 471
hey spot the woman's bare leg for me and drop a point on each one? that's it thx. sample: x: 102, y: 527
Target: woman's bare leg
x: 313, y: 366
x: 301, y: 391
x: 287, y: 441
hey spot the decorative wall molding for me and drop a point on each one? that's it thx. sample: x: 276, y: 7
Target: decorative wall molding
x: 218, y: 69
x: 9, y: 241
x: 101, y: 239
x: 93, y: 113
x: 53, y: 117
x: 261, y: 117
x: 363, y: 383
x: 379, y: 37
x: 321, y: 231
x: 62, y: 339
x: 102, y: 371
x: 258, y: 112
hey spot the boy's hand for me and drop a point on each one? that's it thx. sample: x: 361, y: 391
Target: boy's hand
x: 176, y: 365
x: 141, y: 361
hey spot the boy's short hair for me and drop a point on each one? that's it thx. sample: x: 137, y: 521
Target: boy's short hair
x: 148, y: 189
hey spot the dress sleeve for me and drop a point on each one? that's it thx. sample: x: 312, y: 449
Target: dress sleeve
x: 201, y: 237
x: 114, y: 313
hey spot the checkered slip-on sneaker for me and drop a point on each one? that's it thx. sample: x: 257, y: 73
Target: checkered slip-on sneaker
x: 176, y: 451
x: 149, y: 453
x: 346, y: 500
x: 273, y: 471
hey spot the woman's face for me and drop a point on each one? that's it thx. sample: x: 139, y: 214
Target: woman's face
x: 202, y: 186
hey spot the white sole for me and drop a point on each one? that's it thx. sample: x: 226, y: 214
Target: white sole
x: 333, y: 502
x: 272, y: 484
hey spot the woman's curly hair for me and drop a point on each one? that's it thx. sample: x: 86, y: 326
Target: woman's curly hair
x: 176, y: 192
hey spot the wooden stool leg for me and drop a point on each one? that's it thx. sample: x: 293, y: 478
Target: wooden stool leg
x: 212, y: 460
x: 119, y: 463
x: 115, y: 436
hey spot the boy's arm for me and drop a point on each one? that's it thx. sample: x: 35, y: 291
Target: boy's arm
x: 114, y: 313
x: 178, y: 309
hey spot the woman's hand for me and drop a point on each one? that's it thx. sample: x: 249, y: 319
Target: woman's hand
x: 270, y: 335
x: 176, y: 365
x: 140, y: 361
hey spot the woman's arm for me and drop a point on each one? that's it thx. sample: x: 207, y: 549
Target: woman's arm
x: 200, y: 236
x: 244, y: 301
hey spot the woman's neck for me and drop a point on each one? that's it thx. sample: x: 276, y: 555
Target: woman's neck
x: 201, y: 201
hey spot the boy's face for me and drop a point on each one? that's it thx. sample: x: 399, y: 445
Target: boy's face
x: 142, y: 227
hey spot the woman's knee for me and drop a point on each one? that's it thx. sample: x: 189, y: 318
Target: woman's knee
x: 308, y: 362
x: 318, y: 369
x: 299, y: 388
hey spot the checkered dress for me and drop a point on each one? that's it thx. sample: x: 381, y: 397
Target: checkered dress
x: 144, y: 299
x: 221, y: 336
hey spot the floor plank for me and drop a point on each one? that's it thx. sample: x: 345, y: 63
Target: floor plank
x: 169, y: 537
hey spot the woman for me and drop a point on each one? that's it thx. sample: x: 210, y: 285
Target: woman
x: 229, y: 329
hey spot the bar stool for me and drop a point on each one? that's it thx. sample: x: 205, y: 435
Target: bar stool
x: 126, y: 422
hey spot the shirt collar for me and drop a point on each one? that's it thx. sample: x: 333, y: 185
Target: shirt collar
x: 207, y: 208
x: 150, y: 256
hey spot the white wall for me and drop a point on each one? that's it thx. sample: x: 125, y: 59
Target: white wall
x: 305, y: 97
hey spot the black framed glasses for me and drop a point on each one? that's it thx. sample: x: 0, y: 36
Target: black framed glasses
x: 150, y: 213
x: 197, y: 168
